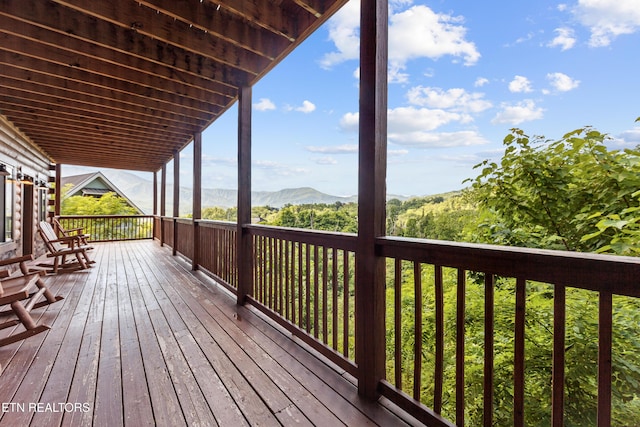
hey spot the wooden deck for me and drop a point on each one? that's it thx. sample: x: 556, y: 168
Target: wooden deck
x: 141, y: 340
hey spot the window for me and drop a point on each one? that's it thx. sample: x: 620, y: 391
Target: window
x: 43, y: 200
x: 7, y: 183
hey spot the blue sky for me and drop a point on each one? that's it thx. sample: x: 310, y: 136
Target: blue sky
x: 461, y: 74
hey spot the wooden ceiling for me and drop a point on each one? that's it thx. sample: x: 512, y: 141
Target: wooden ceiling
x: 124, y: 83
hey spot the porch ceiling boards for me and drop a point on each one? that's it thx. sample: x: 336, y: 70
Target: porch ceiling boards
x: 125, y: 83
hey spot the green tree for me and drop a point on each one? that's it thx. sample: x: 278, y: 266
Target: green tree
x: 574, y: 194
x: 108, y: 204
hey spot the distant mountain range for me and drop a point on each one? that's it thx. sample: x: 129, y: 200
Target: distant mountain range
x: 140, y: 191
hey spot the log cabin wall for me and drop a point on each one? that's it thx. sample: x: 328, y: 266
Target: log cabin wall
x: 19, y: 154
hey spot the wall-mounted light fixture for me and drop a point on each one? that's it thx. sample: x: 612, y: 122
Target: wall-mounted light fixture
x: 3, y: 170
x: 25, y: 179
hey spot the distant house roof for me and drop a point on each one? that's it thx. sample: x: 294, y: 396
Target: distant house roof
x: 94, y: 185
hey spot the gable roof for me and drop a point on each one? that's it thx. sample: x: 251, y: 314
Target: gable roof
x: 93, y: 184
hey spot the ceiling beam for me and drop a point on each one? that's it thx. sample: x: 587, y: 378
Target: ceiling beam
x: 158, y: 26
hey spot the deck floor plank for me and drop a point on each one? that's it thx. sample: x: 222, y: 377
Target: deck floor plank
x: 140, y: 339
x: 45, y: 348
x: 70, y: 361
x: 138, y: 410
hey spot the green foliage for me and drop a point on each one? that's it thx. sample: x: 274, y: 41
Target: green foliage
x: 338, y: 217
x: 107, y: 204
x: 441, y: 217
x: 573, y: 194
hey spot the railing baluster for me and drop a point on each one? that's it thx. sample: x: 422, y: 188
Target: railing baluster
x: 460, y: 334
x: 316, y: 292
x: 308, y: 287
x: 325, y: 297
x: 417, y: 354
x: 397, y: 315
x: 345, y: 316
x: 281, y: 268
x: 557, y: 391
x: 488, y: 349
x: 518, y: 354
x: 605, y: 327
x: 294, y: 288
x: 334, y: 305
x: 439, y: 362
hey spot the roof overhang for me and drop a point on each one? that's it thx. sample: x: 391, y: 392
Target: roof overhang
x: 126, y: 84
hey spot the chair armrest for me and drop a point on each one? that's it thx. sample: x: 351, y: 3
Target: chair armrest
x: 16, y: 260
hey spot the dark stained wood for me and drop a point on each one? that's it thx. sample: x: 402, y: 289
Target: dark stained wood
x: 155, y: 193
x: 164, y: 69
x: 142, y: 340
x: 596, y: 272
x: 417, y: 337
x: 489, y: 309
x: 605, y: 330
x: 244, y: 244
x: 58, y: 194
x: 519, y: 354
x: 439, y: 353
x: 460, y: 352
x: 397, y: 316
x: 372, y: 163
x: 197, y: 198
x: 557, y: 381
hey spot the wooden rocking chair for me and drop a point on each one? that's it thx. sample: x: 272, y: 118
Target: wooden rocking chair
x: 21, y: 291
x: 69, y: 232
x: 61, y: 247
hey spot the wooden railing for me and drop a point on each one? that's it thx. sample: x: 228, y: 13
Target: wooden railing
x: 439, y: 307
x: 305, y: 280
x: 103, y: 228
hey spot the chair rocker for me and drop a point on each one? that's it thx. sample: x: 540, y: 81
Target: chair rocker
x: 22, y: 292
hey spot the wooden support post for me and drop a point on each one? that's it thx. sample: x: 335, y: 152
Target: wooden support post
x: 197, y: 198
x: 58, y: 195
x: 163, y: 201
x: 155, y: 203
x: 176, y: 198
x: 372, y: 163
x: 155, y: 193
x: 244, y: 250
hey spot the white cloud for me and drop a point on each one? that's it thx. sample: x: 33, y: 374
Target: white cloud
x: 344, y: 32
x: 306, y: 107
x: 278, y: 168
x: 514, y: 114
x: 520, y: 84
x: 349, y: 122
x: 408, y: 119
x: 326, y: 161
x: 422, y: 139
x: 561, y: 82
x: 264, y: 104
x: 338, y: 149
x: 455, y: 99
x: 565, y: 38
x: 417, y: 32
x: 608, y: 19
x: 630, y: 137
x: 397, y: 153
x: 420, y: 32
x: 481, y: 81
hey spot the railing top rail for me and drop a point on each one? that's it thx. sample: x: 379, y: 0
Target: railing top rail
x: 597, y: 272
x: 345, y: 241
x: 227, y: 225
x: 103, y: 216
